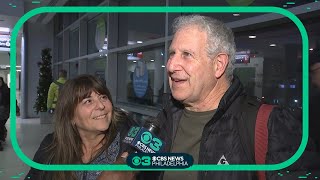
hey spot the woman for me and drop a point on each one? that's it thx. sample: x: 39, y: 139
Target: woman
x: 4, y: 110
x: 86, y: 130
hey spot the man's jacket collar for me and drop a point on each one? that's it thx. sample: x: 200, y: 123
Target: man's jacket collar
x: 235, y: 89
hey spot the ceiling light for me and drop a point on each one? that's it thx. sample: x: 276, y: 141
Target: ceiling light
x: 4, y: 29
x: 152, y: 60
x: 272, y: 45
x: 131, y: 42
x: 35, y: 2
x: 252, y: 37
x: 311, y: 49
x: 134, y: 61
x: 163, y: 66
x: 236, y: 15
x: 139, y: 42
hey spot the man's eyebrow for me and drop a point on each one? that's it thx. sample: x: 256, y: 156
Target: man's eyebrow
x: 188, y: 50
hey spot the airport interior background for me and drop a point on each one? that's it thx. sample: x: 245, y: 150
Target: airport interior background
x: 121, y: 47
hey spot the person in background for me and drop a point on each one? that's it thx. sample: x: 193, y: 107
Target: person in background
x: 4, y: 110
x: 208, y: 104
x: 53, y: 92
x: 88, y: 129
x: 314, y: 96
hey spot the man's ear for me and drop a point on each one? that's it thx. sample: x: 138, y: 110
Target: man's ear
x: 221, y: 64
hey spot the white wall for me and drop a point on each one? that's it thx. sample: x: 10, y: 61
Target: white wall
x: 37, y: 37
x: 5, y: 60
x: 3, y: 74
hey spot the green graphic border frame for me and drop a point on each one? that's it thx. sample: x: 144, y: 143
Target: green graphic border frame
x: 156, y: 9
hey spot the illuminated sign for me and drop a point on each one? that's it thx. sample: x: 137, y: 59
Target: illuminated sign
x: 242, y: 57
x: 5, y: 41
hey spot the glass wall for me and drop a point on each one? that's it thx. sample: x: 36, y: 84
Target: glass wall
x: 140, y: 77
x: 97, y: 67
x: 133, y: 47
x: 135, y: 28
x: 74, y: 43
x: 97, y: 34
x: 73, y: 69
x: 60, y: 49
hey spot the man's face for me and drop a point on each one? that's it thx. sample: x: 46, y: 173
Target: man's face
x: 190, y: 70
x: 315, y: 75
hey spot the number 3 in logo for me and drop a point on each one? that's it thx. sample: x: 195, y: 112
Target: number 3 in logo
x: 156, y: 145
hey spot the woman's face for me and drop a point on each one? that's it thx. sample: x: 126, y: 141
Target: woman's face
x: 93, y: 114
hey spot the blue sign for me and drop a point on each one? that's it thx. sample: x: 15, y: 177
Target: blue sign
x: 140, y: 79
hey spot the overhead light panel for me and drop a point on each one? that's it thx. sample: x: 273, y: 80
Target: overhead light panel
x: 252, y: 37
x: 35, y: 2
x: 131, y: 42
x: 272, y: 45
x: 4, y: 29
x: 236, y: 14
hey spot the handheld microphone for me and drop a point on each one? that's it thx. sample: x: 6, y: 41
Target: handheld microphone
x: 144, y: 139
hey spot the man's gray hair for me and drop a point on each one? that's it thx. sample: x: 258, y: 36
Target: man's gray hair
x: 220, y: 38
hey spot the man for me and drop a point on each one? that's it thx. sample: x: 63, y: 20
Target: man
x: 314, y: 115
x: 208, y: 102
x: 53, y: 92
x: 4, y: 110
